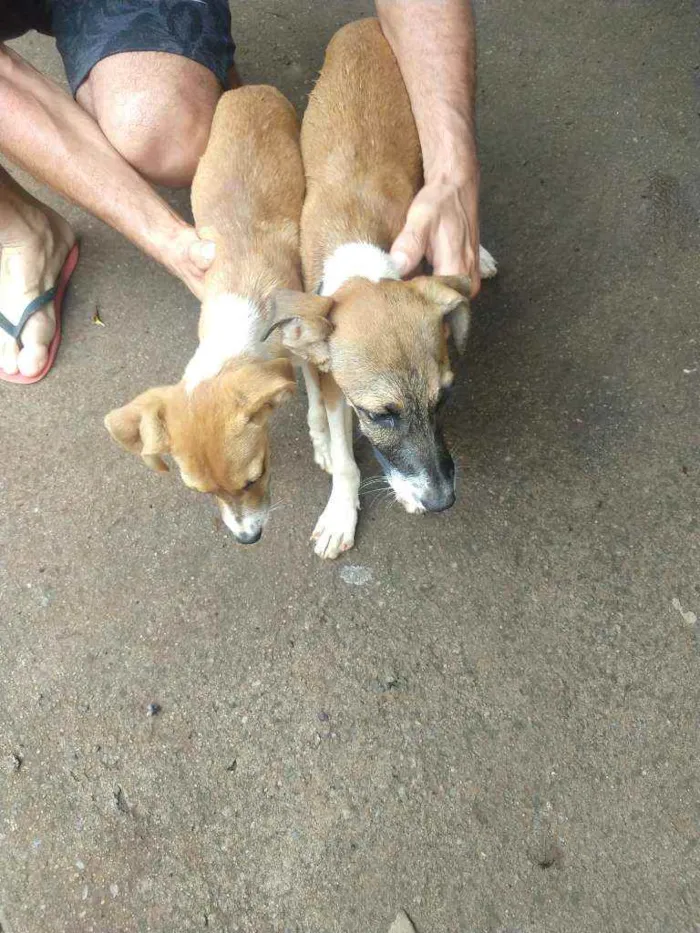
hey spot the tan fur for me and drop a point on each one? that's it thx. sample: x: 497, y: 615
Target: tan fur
x: 363, y: 167
x: 360, y: 148
x: 247, y: 197
x: 383, y: 345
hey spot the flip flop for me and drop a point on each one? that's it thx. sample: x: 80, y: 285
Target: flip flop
x: 54, y: 294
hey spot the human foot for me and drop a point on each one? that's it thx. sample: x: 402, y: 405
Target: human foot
x: 34, y: 244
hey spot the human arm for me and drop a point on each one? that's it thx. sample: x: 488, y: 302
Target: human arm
x: 434, y: 44
x: 44, y: 132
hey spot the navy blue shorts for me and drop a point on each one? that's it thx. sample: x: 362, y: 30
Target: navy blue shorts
x: 87, y: 31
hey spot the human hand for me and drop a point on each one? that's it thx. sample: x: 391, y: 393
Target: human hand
x: 189, y: 257
x: 442, y: 225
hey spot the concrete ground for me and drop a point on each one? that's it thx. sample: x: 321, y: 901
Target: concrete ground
x: 493, y: 722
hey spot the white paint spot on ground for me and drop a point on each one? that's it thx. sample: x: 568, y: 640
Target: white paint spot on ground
x: 688, y: 616
x: 114, y: 889
x: 355, y: 575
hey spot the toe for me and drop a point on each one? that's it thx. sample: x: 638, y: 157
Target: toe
x: 335, y: 529
x: 36, y: 338
x: 8, y: 356
x: 32, y: 359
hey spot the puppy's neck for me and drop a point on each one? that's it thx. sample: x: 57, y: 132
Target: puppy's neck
x: 363, y: 260
x: 231, y: 327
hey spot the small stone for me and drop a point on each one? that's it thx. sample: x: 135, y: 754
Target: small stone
x: 153, y: 709
x: 402, y: 924
x: 323, y: 717
x: 12, y: 762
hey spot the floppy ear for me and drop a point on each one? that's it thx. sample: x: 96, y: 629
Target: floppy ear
x: 451, y: 294
x: 274, y: 384
x: 140, y: 428
x: 304, y: 325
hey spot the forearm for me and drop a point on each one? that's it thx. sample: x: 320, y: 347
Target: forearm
x: 46, y: 133
x: 434, y: 44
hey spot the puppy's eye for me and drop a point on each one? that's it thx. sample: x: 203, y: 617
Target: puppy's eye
x: 252, y: 482
x: 385, y: 419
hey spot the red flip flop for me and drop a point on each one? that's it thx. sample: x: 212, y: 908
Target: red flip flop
x: 55, y: 294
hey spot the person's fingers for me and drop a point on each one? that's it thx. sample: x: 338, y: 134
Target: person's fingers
x: 201, y: 253
x: 410, y: 245
x: 450, y: 248
x: 473, y: 270
x: 475, y: 280
x: 454, y: 255
x: 473, y: 245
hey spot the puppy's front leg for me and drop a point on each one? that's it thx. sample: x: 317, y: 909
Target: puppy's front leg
x: 317, y: 418
x: 335, y: 529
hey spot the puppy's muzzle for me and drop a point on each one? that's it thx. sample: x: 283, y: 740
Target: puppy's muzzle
x: 430, y: 488
x: 440, y: 494
x: 245, y: 528
x: 439, y: 502
x: 249, y: 537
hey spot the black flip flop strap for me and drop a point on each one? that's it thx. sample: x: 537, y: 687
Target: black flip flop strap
x: 14, y: 330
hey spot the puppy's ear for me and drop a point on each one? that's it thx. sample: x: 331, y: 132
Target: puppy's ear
x: 140, y: 427
x: 451, y: 294
x: 272, y: 384
x: 303, y: 322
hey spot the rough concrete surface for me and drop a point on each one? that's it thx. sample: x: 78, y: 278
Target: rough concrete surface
x: 496, y: 728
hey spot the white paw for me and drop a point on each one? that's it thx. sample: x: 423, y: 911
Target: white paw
x: 487, y: 264
x: 322, y: 450
x: 335, y: 530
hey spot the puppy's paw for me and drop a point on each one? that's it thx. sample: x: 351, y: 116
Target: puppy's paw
x: 322, y: 449
x: 487, y: 264
x: 335, y: 530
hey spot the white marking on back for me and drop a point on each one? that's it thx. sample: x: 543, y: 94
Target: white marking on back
x: 233, y: 328
x: 356, y: 259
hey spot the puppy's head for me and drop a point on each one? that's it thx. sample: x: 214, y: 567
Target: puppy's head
x: 386, y: 344
x: 217, y: 435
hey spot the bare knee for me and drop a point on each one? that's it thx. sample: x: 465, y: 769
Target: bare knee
x: 157, y: 114
x: 166, y: 148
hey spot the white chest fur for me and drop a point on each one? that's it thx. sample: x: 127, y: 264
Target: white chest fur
x: 233, y: 326
x: 356, y: 259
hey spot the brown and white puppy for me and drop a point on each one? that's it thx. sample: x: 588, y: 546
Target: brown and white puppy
x: 247, y: 197
x: 378, y: 341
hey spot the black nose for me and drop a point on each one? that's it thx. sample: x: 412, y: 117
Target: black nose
x: 439, y: 500
x: 249, y: 537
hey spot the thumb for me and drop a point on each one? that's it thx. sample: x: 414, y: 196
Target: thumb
x: 409, y: 246
x: 202, y: 252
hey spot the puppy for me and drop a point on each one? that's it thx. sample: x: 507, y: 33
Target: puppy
x: 247, y: 197
x: 369, y: 339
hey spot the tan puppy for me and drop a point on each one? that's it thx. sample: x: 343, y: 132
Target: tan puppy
x: 247, y: 197
x: 383, y: 340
